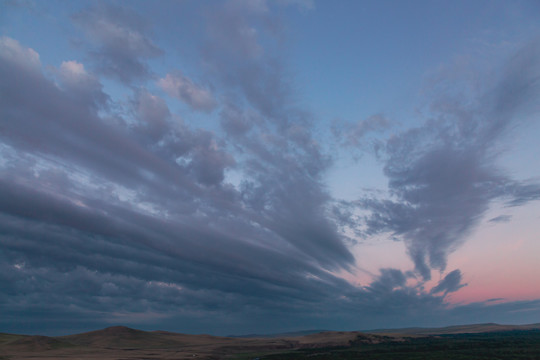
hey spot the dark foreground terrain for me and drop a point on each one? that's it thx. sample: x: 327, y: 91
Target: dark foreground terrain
x: 486, y: 341
x: 517, y: 344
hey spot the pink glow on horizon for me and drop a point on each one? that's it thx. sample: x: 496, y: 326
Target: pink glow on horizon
x: 496, y: 261
x: 500, y: 262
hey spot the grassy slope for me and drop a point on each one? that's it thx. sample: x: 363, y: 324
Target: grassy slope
x: 121, y: 342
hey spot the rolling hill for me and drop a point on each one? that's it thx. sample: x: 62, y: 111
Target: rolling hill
x: 120, y: 342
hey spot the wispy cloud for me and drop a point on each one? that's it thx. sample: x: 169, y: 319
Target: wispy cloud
x: 443, y: 175
x: 120, y: 40
x: 501, y: 219
x: 450, y: 283
x: 182, y: 88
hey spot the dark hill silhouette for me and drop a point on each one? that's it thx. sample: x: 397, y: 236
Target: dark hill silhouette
x: 120, y: 342
x: 125, y: 337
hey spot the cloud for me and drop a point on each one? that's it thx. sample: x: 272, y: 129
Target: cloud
x: 501, y: 219
x: 353, y: 134
x: 231, y: 29
x: 443, y: 193
x: 443, y: 175
x: 168, y: 225
x: 236, y: 121
x: 81, y: 85
x: 388, y: 280
x: 11, y: 51
x: 128, y: 201
x: 140, y: 199
x: 450, y: 283
x: 305, y: 4
x: 153, y: 115
x: 120, y: 39
x: 242, y: 49
x: 521, y: 192
x: 182, y: 88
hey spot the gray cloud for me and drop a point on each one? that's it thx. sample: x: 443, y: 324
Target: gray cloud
x: 450, y: 283
x: 388, y: 280
x: 81, y: 85
x: 122, y: 44
x: 136, y: 206
x: 182, y: 88
x: 521, y: 192
x: 501, y: 219
x: 153, y: 116
x: 236, y: 121
x: 353, y: 134
x: 443, y: 176
x: 238, y: 51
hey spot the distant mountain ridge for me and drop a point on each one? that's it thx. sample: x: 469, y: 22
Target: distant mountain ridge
x: 277, y: 335
x: 120, y: 342
x: 125, y: 337
x: 455, y: 329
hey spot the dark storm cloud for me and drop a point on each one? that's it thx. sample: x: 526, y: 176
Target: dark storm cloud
x: 119, y: 247
x: 136, y: 207
x: 121, y: 41
x: 443, y: 175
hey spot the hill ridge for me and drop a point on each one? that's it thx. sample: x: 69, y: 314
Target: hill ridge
x: 127, y: 343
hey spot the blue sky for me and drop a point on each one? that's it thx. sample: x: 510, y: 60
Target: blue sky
x: 238, y: 166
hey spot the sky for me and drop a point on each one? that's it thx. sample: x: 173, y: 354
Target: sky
x: 251, y: 166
